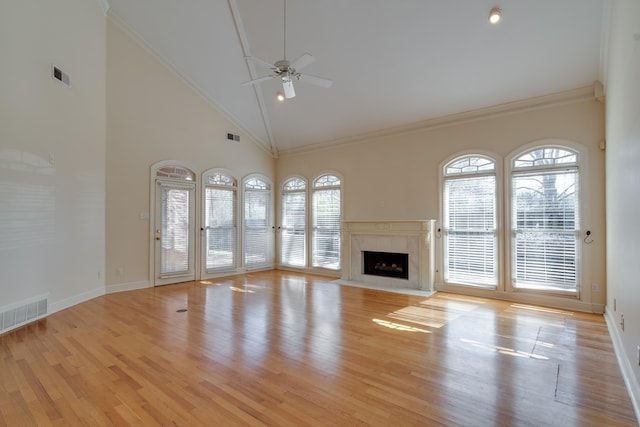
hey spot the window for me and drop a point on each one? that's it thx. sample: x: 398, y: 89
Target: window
x: 326, y: 222
x: 545, y: 220
x: 257, y: 222
x: 220, y: 227
x: 175, y: 172
x: 294, y: 223
x: 469, y: 227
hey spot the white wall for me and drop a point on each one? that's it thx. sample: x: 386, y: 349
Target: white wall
x: 153, y: 115
x: 623, y: 186
x: 396, y: 177
x: 52, y: 213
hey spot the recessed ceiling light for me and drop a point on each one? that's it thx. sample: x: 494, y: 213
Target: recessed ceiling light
x: 495, y: 15
x: 280, y: 96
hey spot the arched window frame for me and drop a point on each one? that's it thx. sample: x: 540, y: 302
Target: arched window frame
x: 325, y: 248
x: 515, y: 168
x: 456, y: 168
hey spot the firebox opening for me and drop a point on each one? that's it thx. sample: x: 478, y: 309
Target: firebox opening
x: 386, y: 264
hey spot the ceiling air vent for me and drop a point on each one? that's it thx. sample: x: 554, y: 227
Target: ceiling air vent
x: 232, y: 137
x: 61, y: 76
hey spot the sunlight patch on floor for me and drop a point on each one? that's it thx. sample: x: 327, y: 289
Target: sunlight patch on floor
x: 544, y: 310
x: 423, y: 316
x: 452, y: 303
x: 399, y: 327
x: 241, y: 290
x: 503, y: 350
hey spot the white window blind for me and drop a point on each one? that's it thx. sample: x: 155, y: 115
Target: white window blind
x: 470, y: 249
x: 326, y: 223
x: 294, y: 224
x: 220, y: 223
x: 257, y: 205
x: 175, y: 230
x: 545, y: 222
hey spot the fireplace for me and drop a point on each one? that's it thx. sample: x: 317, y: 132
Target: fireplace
x: 386, y: 264
x: 414, y: 239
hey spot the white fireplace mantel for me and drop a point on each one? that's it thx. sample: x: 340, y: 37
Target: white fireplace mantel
x: 413, y: 237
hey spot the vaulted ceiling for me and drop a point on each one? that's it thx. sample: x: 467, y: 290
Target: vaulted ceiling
x: 393, y: 63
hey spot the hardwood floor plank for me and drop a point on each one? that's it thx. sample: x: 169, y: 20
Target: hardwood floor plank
x: 285, y: 349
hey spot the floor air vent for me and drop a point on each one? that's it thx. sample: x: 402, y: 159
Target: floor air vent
x: 22, y: 313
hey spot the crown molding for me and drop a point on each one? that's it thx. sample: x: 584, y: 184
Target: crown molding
x: 582, y: 94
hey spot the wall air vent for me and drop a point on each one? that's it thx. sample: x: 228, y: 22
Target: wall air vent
x: 61, y: 76
x: 232, y: 137
x: 24, y: 312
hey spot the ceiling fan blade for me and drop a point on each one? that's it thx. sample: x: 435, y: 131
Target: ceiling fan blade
x: 304, y: 60
x: 315, y: 80
x: 258, y: 80
x: 261, y: 62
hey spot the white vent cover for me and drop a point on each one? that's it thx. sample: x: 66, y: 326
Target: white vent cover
x: 233, y: 137
x: 24, y: 312
x: 60, y: 75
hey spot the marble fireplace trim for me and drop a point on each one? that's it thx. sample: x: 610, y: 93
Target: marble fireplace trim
x: 412, y: 237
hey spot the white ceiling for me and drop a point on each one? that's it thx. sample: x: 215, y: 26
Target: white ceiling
x: 393, y: 62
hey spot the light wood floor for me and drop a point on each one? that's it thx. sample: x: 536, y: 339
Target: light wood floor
x: 285, y: 349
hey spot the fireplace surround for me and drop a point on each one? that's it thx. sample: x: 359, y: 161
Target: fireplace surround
x: 414, y: 238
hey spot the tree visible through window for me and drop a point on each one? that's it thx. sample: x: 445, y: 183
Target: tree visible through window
x: 545, y: 220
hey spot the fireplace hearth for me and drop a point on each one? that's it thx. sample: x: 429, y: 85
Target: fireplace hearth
x: 386, y: 264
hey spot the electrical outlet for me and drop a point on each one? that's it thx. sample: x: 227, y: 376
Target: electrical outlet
x: 119, y: 271
x: 622, y: 321
x: 595, y: 287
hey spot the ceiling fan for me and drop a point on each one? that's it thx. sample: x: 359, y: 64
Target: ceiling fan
x: 288, y: 71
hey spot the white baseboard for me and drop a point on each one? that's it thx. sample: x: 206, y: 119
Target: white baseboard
x: 625, y: 364
x: 75, y: 299
x: 123, y: 287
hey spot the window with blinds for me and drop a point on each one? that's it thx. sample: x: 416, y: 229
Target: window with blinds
x: 469, y: 225
x: 257, y: 207
x: 545, y: 220
x: 326, y: 222
x: 220, y: 228
x: 294, y: 223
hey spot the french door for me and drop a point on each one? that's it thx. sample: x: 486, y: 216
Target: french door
x: 174, y: 231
